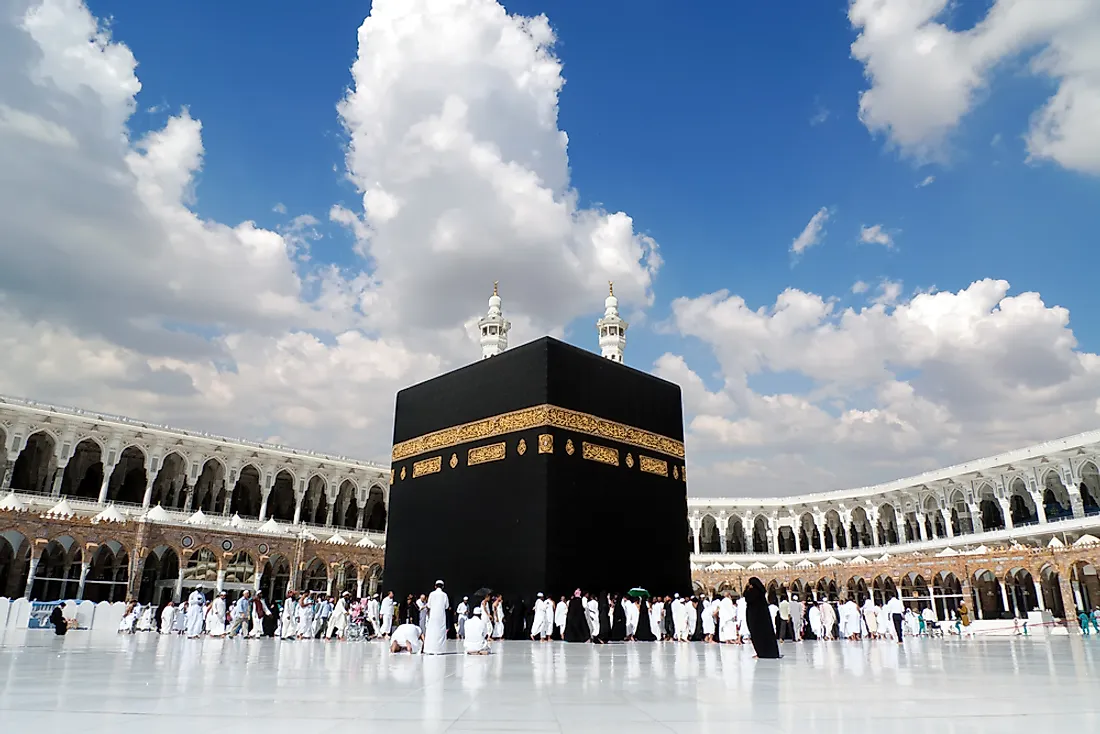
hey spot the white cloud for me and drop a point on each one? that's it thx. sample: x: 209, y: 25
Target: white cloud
x: 812, y: 233
x: 115, y: 294
x: 279, y: 208
x: 902, y: 385
x: 820, y: 116
x: 876, y: 235
x: 926, y: 181
x: 925, y: 77
x: 860, y: 287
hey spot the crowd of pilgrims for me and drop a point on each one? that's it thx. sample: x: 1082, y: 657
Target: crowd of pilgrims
x: 583, y: 617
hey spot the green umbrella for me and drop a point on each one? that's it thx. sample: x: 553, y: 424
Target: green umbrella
x: 638, y: 592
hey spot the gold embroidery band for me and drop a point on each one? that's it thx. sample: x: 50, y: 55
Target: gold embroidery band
x: 602, y: 454
x: 653, y: 466
x: 539, y: 416
x: 427, y: 466
x: 485, y: 454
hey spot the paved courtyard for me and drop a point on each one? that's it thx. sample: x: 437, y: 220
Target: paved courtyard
x: 93, y: 684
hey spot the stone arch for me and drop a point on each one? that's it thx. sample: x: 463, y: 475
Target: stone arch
x: 883, y: 589
x: 948, y: 592
x: 986, y: 587
x: 809, y: 534
x: 347, y: 579
x: 961, y: 521
x: 57, y: 575
x: 240, y: 571
x: 276, y: 578
x: 1056, y: 499
x: 15, y: 557
x: 861, y: 532
x: 247, y: 497
x: 990, y: 509
x: 35, y: 464
x: 127, y: 482
x: 316, y: 576
x: 826, y: 590
x: 857, y: 589
x: 374, y: 511
x: 735, y: 536
x: 1020, y: 590
x: 201, y: 569
x: 761, y: 535
x: 281, y: 501
x: 109, y: 573
x: 934, y: 523
x: 834, y: 534
x: 315, y: 503
x: 346, y: 514
x: 1050, y: 587
x: 708, y: 535
x: 204, y: 495
x: 1085, y: 585
x: 914, y: 591
x: 1090, y: 487
x: 786, y: 539
x: 887, y: 524
x: 159, y: 574
x: 171, y: 480
x: 375, y: 579
x: 1021, y: 505
x: 83, y: 475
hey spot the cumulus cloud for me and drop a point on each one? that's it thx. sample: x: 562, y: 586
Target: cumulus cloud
x: 899, y: 386
x: 860, y: 287
x: 115, y: 294
x: 812, y: 233
x: 926, y: 77
x: 926, y: 181
x: 876, y: 235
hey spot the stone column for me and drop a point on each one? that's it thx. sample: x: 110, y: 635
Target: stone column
x: 1069, y: 605
x: 722, y: 523
x: 36, y: 558
x: 58, y: 477
x: 1039, y: 594
x: 923, y: 530
x: 5, y: 472
x: 257, y: 578
x: 148, y: 496
x: 189, y: 494
x: 359, y: 519
x: 177, y: 596
x: 696, y: 525
x: 1006, y: 511
x: 1075, y: 502
x: 107, y: 472
x: 976, y: 518
x: 220, y: 582
x: 932, y: 598
x: 328, y: 589
x: 228, y: 497
x: 1040, y: 508
x: 1004, y: 597
x: 359, y: 588
x: 946, y: 515
x: 328, y: 514
x: 298, y: 509
x: 263, y: 507
x: 84, y: 568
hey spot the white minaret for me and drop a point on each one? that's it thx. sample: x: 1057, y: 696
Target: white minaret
x: 494, y: 329
x: 612, y: 328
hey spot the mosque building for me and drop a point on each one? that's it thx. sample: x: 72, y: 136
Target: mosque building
x: 103, y: 507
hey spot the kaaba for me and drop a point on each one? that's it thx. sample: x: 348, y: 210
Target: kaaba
x: 543, y: 468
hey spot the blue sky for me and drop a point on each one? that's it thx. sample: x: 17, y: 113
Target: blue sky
x: 720, y: 129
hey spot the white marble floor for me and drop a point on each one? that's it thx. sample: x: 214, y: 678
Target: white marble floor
x: 166, y: 685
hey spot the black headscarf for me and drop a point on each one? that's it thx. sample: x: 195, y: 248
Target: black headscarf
x: 643, y: 633
x: 758, y: 619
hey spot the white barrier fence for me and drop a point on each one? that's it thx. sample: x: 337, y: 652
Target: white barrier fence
x: 21, y: 614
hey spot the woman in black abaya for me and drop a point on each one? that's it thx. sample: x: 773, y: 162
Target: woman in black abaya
x: 576, y: 623
x: 604, y: 614
x: 758, y: 619
x: 57, y: 618
x: 618, y: 621
x: 644, y: 633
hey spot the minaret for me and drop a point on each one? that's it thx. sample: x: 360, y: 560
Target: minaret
x: 494, y: 329
x: 612, y: 328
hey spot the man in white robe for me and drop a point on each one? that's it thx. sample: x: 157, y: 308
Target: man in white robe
x: 814, y: 615
x: 385, y: 623
x: 851, y: 626
x: 461, y: 612
x: 742, y: 624
x: 540, y: 624
x: 727, y: 619
x: 593, y: 613
x: 828, y: 619
x: 476, y: 641
x: 179, y: 624
x: 288, y: 627
x: 215, y: 618
x: 407, y: 638
x: 168, y: 618
x: 196, y: 608
x: 561, y: 614
x: 679, y: 619
x: 435, y: 634
x: 870, y: 618
x: 303, y: 617
x: 657, y: 619
x: 796, y: 617
x: 373, y: 612
x: 338, y: 620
